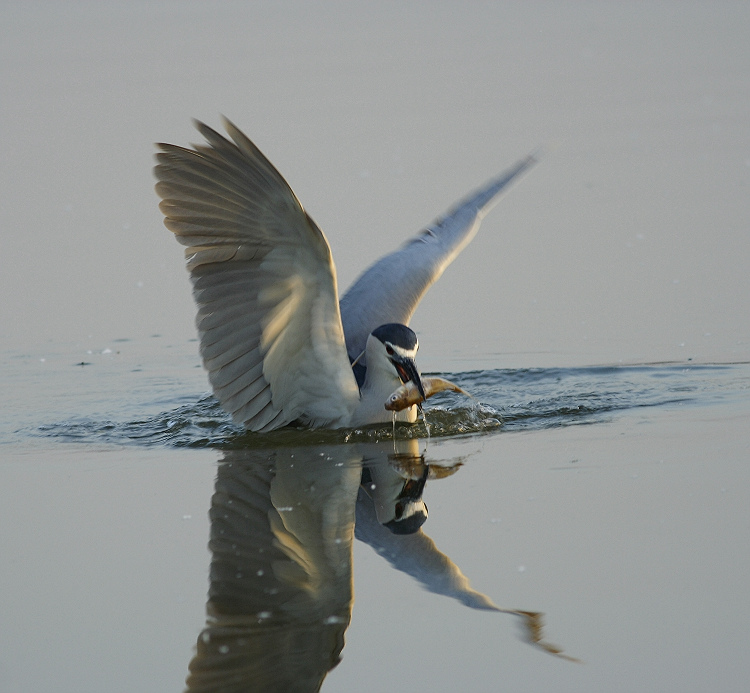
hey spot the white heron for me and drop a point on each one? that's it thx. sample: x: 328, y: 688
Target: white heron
x: 277, y: 344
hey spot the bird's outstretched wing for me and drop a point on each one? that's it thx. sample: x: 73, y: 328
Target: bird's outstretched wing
x: 264, y: 281
x: 390, y: 290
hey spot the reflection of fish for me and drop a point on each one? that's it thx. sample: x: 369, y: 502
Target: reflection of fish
x: 408, y: 394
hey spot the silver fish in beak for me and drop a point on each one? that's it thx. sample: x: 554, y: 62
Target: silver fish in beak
x: 409, y: 393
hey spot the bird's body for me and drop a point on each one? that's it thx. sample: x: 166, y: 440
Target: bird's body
x: 277, y: 345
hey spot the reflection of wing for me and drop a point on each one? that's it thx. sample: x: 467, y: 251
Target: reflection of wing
x: 281, y: 595
x: 390, y: 290
x: 416, y: 555
x: 264, y: 281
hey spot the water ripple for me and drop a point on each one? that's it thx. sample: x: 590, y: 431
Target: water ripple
x: 524, y: 399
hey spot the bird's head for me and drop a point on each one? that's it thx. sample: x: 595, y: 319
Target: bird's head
x: 396, y: 347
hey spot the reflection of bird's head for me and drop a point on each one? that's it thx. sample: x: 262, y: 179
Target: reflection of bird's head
x: 410, y: 509
x: 398, y: 501
x: 394, y: 347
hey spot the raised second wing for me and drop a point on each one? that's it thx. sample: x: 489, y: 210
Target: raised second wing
x: 264, y: 281
x: 390, y: 290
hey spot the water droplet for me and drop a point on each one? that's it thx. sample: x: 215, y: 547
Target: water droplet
x: 333, y: 619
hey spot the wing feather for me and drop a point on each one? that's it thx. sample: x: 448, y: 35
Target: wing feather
x: 265, y: 284
x: 390, y: 290
x: 239, y: 373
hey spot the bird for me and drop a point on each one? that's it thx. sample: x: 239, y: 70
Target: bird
x: 279, y: 347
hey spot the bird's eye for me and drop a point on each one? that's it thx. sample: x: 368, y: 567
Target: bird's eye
x: 389, y: 350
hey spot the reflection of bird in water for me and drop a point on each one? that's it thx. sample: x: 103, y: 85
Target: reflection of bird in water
x: 282, y: 527
x: 386, y: 508
x: 278, y: 346
x: 416, y: 554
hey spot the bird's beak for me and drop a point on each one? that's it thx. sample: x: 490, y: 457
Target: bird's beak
x: 407, y: 370
x: 414, y: 488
